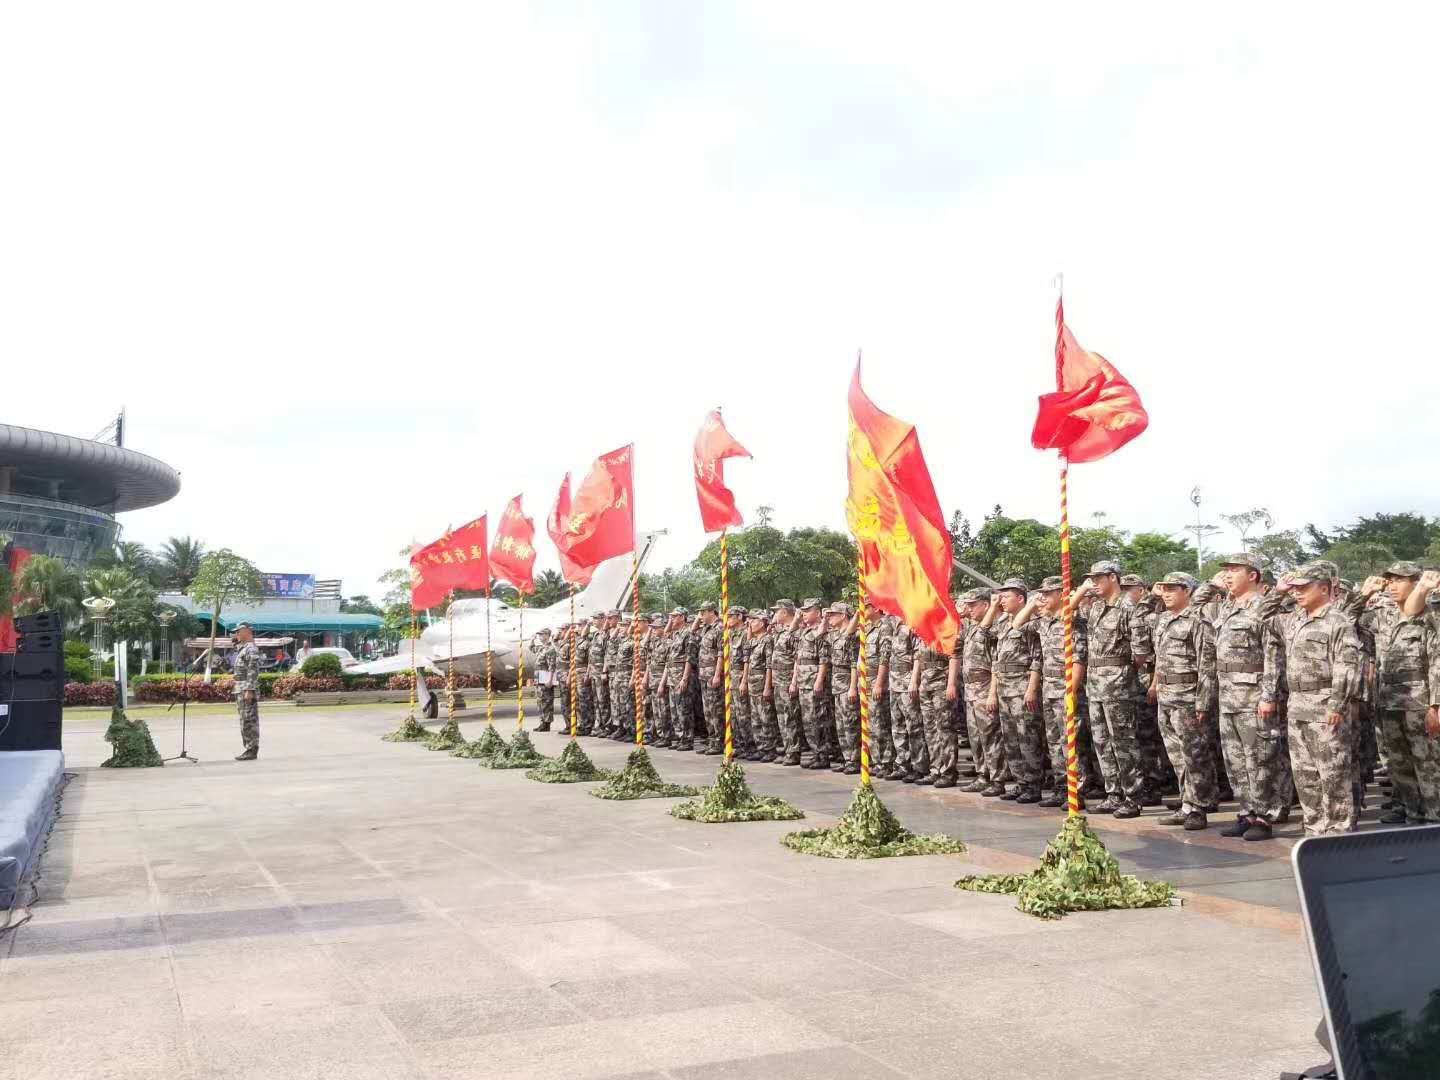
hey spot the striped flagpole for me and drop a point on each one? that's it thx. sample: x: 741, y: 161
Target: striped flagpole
x: 520, y: 678
x: 725, y: 638
x: 414, y: 677
x: 574, y: 693
x: 489, y: 661
x: 636, y: 690
x: 1072, y: 757
x: 450, y: 662
x: 864, y: 674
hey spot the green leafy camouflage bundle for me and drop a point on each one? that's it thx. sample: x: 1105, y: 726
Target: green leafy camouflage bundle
x: 730, y: 799
x: 573, y: 766
x: 641, y: 781
x: 487, y: 746
x: 1075, y: 874
x: 447, y: 738
x: 868, y: 830
x: 410, y: 731
x: 130, y: 742
x: 520, y: 754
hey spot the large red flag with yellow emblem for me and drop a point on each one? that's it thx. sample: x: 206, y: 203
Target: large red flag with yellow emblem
x: 602, y: 518
x: 896, y: 520
x: 557, y: 525
x: 713, y: 445
x: 513, y: 556
x: 458, y: 560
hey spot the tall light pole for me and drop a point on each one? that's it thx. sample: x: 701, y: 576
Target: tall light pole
x: 98, y: 608
x: 165, y: 618
x: 1200, y: 529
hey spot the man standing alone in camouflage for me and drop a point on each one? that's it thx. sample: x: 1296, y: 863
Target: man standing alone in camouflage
x: 247, y: 691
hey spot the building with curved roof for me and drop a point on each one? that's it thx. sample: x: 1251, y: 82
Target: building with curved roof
x: 59, y: 495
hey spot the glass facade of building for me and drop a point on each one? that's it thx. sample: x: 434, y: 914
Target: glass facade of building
x: 69, y: 532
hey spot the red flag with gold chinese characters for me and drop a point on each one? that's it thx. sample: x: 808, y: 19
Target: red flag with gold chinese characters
x: 896, y: 520
x: 1094, y: 410
x: 712, y: 446
x: 513, y: 555
x: 602, y: 518
x: 458, y: 560
x: 557, y: 526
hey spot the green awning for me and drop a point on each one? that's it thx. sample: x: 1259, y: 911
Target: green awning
x: 339, y: 622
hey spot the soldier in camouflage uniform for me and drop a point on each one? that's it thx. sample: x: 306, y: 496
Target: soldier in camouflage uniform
x: 843, y: 640
x: 565, y: 643
x: 1015, y: 689
x: 756, y: 678
x: 1111, y: 686
x: 737, y: 630
x: 544, y: 656
x: 811, y: 654
x: 1404, y: 697
x: 907, y: 725
x: 620, y: 675
x: 1323, y: 674
x: 585, y: 688
x: 682, y: 663
x: 1045, y: 614
x: 247, y: 691
x: 1154, y: 760
x: 784, y: 643
x: 878, y: 633
x: 711, y: 648
x: 1249, y: 663
x: 599, y: 646
x: 987, y: 740
x: 931, y: 677
x: 1184, y: 689
x: 657, y: 702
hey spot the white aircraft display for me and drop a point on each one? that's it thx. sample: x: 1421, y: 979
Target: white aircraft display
x: 465, y: 624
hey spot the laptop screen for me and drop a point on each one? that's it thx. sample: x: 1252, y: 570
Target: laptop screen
x: 1388, y: 950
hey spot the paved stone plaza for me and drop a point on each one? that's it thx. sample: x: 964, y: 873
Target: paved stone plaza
x: 347, y: 908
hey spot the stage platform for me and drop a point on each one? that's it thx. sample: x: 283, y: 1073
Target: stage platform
x: 29, y: 785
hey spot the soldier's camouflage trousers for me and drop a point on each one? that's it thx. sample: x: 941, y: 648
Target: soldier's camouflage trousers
x: 1414, y: 763
x: 713, y: 700
x: 1321, y: 759
x: 1055, y: 740
x: 249, y: 721
x: 1188, y: 744
x: 787, y: 717
x: 882, y: 746
x: 742, y: 735
x: 587, y: 707
x: 565, y: 704
x: 813, y: 713
x: 763, y: 724
x: 1112, y: 727
x: 657, y: 714
x: 847, y: 726
x: 602, y: 705
x: 1254, y: 760
x: 682, y: 720
x: 1153, y: 760
x: 1024, y: 735
x: 987, y: 738
x: 622, y: 710
x: 1367, y: 736
x: 545, y: 696
x: 907, y: 734
x: 941, y: 739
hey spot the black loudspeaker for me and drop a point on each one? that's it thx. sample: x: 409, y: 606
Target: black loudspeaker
x: 29, y: 725
x: 32, y: 677
x: 40, y: 622
x: 43, y: 642
x: 32, y: 685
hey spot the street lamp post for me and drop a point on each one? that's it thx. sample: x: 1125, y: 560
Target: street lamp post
x: 165, y: 618
x: 98, y: 608
x: 1200, y: 529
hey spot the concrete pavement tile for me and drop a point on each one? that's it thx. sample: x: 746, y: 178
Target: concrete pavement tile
x: 577, y: 949
x: 260, y: 979
x: 304, y: 1038
x: 716, y: 1033
x: 821, y: 1063
x: 575, y: 1051
x: 869, y: 1012
x: 50, y: 976
x: 87, y: 935
x: 443, y: 963
x: 648, y: 994
x: 100, y: 1011
x: 221, y: 929
x: 74, y: 1052
x: 439, y: 1017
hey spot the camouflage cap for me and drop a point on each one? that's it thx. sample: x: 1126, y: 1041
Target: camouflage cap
x: 243, y: 626
x: 761, y: 614
x: 1016, y: 583
x: 1331, y: 569
x: 784, y: 605
x: 1178, y: 577
x: 1403, y: 569
x: 1105, y: 566
x: 840, y: 608
x: 1245, y: 558
x: 681, y: 612
x: 812, y: 602
x: 1053, y: 583
x: 736, y: 609
x: 978, y: 595
x: 1130, y: 581
x: 708, y: 605
x: 1319, y: 570
x: 1346, y: 585
x: 657, y: 620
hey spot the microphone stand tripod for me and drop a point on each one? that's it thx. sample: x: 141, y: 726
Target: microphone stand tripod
x: 185, y: 670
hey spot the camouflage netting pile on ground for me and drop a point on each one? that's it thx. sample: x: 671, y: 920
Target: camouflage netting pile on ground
x: 410, y: 731
x: 730, y: 799
x: 130, y: 742
x: 447, y: 738
x: 641, y: 781
x: 520, y: 754
x: 1076, y: 874
x: 868, y: 830
x: 573, y: 766
x: 484, y: 748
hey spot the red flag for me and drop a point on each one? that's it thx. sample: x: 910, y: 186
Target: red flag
x: 896, y: 520
x: 15, y: 558
x: 557, y: 525
x: 513, y: 556
x: 458, y: 560
x: 1094, y: 410
x: 602, y: 519
x: 712, y: 446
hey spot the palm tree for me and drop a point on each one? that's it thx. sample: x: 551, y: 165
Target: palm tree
x: 180, y: 561
x: 550, y: 588
x: 47, y: 584
x: 133, y: 616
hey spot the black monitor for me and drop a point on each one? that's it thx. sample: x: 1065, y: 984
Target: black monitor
x: 1371, y: 903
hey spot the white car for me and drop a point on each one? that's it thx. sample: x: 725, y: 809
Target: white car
x: 347, y: 660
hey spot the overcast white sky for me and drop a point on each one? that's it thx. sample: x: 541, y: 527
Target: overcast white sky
x: 360, y: 270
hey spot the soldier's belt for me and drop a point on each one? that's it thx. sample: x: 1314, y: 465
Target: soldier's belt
x: 978, y: 677
x: 1313, y: 683
x: 1012, y: 669
x: 1054, y: 673
x: 1403, y: 672
x: 1242, y: 669
x: 1109, y: 661
x: 1188, y: 678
